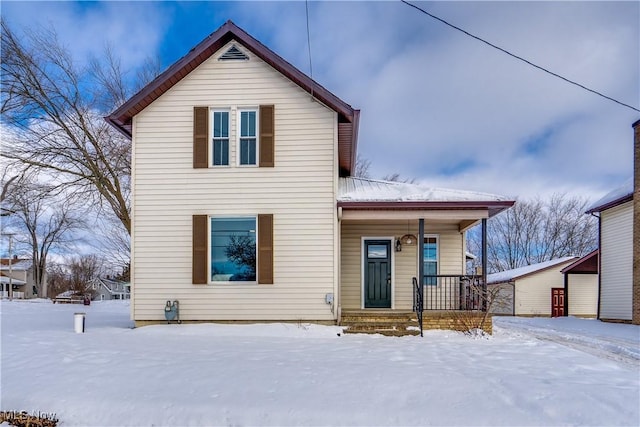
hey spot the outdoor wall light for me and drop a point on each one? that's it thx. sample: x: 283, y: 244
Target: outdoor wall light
x: 408, y: 239
x: 398, y: 246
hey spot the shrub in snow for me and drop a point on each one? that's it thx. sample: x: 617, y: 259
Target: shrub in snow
x: 24, y: 419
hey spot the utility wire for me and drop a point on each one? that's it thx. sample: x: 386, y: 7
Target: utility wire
x: 306, y: 5
x: 520, y: 58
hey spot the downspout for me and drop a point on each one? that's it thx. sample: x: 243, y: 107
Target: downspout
x: 513, y: 305
x: 566, y: 295
x: 599, y: 263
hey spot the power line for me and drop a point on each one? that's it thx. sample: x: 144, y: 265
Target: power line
x: 520, y: 58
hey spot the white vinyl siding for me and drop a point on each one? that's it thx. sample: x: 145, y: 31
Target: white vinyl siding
x: 583, y: 295
x: 616, y: 258
x: 405, y: 262
x: 299, y: 191
x: 533, y: 292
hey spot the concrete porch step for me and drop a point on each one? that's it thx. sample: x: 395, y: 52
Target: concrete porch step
x: 385, y: 332
x: 385, y: 322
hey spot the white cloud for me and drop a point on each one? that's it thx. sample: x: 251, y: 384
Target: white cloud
x: 132, y: 29
x: 433, y: 100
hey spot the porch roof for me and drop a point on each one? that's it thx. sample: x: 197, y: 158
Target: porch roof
x: 362, y: 193
x: 6, y: 280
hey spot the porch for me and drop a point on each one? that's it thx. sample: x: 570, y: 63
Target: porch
x: 392, y: 233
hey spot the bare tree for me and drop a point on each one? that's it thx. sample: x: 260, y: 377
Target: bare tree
x: 362, y: 167
x: 534, y: 231
x: 396, y: 177
x: 57, y: 279
x: 114, y: 245
x: 44, y: 220
x: 82, y: 272
x: 54, y: 110
x: 476, y: 322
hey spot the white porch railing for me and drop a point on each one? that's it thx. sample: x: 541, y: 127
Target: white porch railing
x: 16, y: 295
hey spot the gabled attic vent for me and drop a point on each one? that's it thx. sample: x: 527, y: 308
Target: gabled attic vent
x: 233, y: 54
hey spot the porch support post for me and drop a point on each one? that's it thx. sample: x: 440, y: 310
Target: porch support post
x: 484, y: 264
x: 420, y: 309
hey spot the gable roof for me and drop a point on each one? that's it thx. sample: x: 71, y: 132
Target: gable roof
x: 110, y: 284
x: 364, y: 193
x: 348, y: 117
x: 16, y: 264
x: 517, y: 273
x: 588, y: 264
x: 616, y: 197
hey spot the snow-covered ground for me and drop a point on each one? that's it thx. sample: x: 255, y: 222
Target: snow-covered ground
x: 531, y: 372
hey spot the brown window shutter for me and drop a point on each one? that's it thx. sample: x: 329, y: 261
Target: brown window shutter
x: 267, y: 126
x: 265, y: 249
x: 199, y: 256
x: 200, y: 137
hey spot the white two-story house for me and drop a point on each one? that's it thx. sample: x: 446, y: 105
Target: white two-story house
x: 244, y: 207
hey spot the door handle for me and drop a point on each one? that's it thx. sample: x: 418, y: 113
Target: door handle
x: 388, y: 280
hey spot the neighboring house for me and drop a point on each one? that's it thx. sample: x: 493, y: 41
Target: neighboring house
x: 615, y: 213
x: 581, y: 286
x: 539, y: 290
x: 21, y: 273
x: 244, y: 207
x: 107, y: 289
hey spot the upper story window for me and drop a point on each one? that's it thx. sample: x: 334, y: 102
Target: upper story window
x: 220, y: 138
x: 430, y: 260
x: 246, y: 134
x: 248, y: 137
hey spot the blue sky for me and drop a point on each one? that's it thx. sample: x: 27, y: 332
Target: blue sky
x: 436, y: 105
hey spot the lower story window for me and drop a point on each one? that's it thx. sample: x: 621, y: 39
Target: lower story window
x: 233, y: 249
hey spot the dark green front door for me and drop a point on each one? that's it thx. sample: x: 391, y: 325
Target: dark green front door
x: 377, y: 274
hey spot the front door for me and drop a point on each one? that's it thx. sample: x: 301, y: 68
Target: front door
x: 377, y: 274
x: 557, y: 302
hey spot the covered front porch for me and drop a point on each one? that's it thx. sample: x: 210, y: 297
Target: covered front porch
x: 409, y: 255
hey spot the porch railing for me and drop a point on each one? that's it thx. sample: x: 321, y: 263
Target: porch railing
x: 16, y: 295
x: 452, y: 292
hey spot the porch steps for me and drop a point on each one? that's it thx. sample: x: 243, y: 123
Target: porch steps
x: 389, y: 323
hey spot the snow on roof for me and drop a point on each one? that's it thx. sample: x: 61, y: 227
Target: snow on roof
x: 18, y: 265
x: 5, y: 280
x: 508, y: 275
x: 620, y: 193
x: 352, y: 189
x: 67, y: 294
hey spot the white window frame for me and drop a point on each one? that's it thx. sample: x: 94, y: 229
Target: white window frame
x: 212, y: 112
x: 437, y: 237
x: 238, y: 136
x: 209, y: 242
